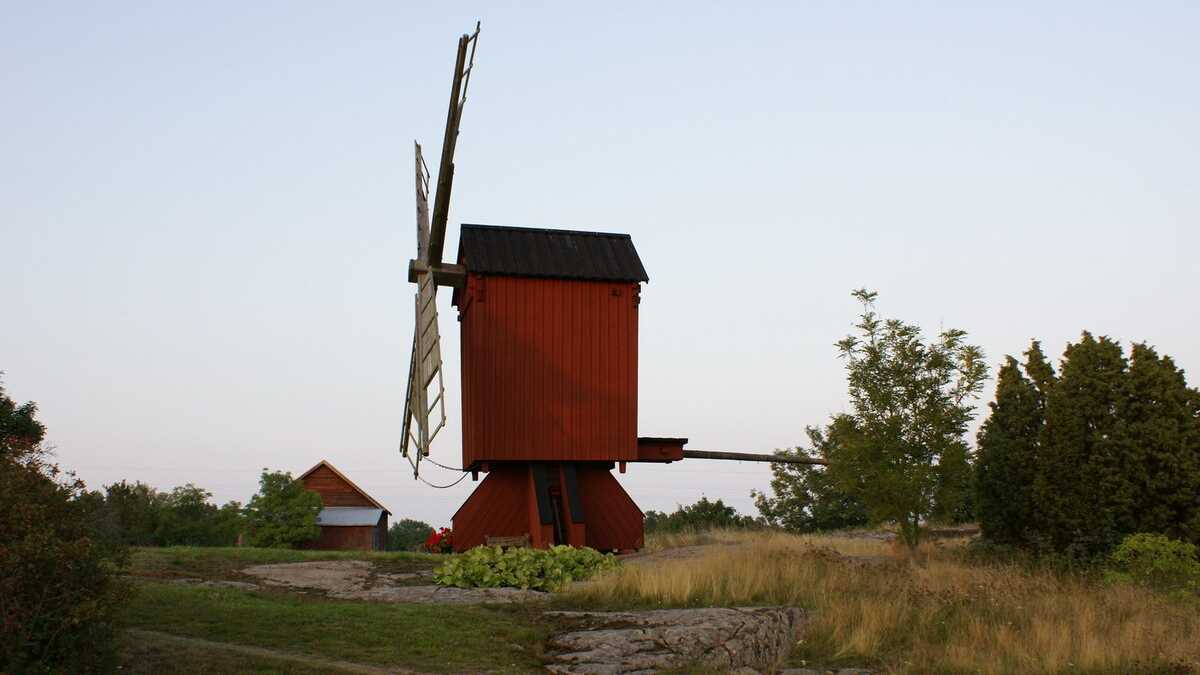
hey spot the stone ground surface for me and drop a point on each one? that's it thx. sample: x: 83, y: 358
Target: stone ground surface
x: 598, y: 643
x: 357, y: 580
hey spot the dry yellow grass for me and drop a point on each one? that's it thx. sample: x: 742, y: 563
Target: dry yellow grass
x: 933, y: 614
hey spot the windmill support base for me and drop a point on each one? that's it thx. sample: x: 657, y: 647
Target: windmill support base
x: 576, y: 503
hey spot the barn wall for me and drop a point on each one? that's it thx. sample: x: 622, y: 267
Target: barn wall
x: 549, y: 369
x: 333, y: 490
x: 344, y: 538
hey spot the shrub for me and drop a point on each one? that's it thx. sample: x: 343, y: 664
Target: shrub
x: 408, y: 535
x: 703, y: 515
x: 1155, y: 561
x: 58, y: 593
x: 527, y: 568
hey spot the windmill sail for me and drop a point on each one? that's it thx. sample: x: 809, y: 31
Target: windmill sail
x: 425, y: 364
x: 424, y: 405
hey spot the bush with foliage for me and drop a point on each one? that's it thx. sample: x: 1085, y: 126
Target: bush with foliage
x: 703, y: 515
x: 538, y: 569
x: 408, y: 535
x: 283, y: 513
x: 441, y: 541
x: 58, y: 591
x: 1157, y: 562
x: 1073, y: 462
x: 803, y: 496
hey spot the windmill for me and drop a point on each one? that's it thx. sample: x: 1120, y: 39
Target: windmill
x: 425, y: 415
x: 548, y: 324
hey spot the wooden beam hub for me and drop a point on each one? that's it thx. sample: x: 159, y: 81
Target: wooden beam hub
x: 444, y: 274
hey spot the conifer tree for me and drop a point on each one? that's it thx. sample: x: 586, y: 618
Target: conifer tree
x: 1082, y: 490
x: 1007, y: 455
x: 1160, y: 419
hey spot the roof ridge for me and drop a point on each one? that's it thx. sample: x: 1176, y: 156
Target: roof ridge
x: 548, y: 230
x: 339, y: 474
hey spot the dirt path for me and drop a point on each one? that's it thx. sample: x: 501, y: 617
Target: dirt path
x: 332, y: 665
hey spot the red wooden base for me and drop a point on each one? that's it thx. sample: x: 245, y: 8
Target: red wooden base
x: 574, y: 503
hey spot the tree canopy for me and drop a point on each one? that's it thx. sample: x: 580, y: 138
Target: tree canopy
x: 407, y: 534
x: 903, y: 452
x: 283, y: 513
x: 804, y: 497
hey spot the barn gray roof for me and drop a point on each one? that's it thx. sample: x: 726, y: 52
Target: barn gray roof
x: 348, y: 516
x: 558, y: 254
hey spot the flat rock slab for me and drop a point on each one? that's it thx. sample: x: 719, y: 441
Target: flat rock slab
x: 647, y: 642
x: 193, y: 581
x: 331, y: 576
x: 352, y: 580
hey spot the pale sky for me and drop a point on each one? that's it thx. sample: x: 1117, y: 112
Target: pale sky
x: 206, y: 209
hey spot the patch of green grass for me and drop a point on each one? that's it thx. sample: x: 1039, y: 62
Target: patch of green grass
x: 146, y: 656
x: 216, y: 562
x: 435, y: 638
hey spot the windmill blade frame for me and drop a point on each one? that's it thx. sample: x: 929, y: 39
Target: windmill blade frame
x: 425, y: 410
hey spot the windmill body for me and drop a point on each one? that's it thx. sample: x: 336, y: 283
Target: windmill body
x: 549, y: 340
x: 549, y: 324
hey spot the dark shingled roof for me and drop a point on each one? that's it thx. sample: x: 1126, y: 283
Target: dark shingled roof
x: 559, y: 254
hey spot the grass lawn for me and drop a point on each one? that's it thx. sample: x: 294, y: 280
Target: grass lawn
x: 434, y: 638
x: 147, y: 656
x: 224, y: 562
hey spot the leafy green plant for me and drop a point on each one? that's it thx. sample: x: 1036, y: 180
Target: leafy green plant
x: 543, y: 570
x: 1155, y: 561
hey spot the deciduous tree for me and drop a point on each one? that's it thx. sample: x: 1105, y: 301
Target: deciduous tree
x: 804, y: 497
x: 282, y: 513
x: 911, y: 403
x: 407, y: 534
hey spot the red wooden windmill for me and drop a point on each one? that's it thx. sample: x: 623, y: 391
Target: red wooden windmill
x: 549, y: 339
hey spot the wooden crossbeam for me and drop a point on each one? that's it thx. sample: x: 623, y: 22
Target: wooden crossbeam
x: 750, y: 457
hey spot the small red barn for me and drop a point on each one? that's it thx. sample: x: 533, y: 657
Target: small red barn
x: 351, y: 518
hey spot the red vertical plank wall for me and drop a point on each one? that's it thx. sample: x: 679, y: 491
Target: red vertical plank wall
x: 549, y: 369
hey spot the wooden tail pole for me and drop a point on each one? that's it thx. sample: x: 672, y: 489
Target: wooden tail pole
x: 750, y: 457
